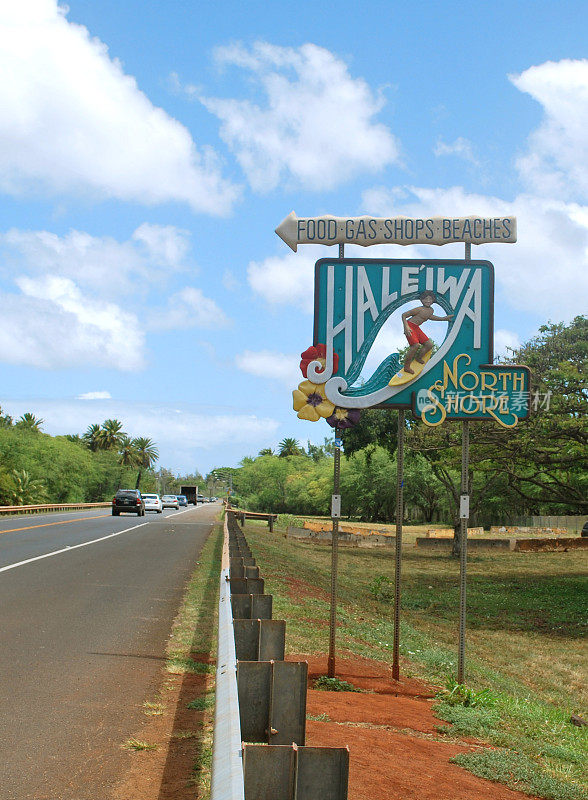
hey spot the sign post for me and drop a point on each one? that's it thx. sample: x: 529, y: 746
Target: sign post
x: 398, y: 544
x: 451, y: 377
x: 335, y: 514
x: 464, y: 515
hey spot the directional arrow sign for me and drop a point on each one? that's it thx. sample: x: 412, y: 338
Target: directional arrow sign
x: 366, y: 230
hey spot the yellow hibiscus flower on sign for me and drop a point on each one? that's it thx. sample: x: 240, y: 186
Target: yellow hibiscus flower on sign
x: 310, y: 401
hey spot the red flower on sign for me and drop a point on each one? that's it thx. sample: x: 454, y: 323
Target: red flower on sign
x: 317, y: 352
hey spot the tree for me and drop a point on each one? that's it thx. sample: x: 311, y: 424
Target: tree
x: 260, y: 483
x: 320, y: 451
x: 166, y: 481
x: 127, y: 455
x: 266, y: 451
x: 377, y: 427
x: 289, y: 447
x: 29, y: 422
x: 441, y: 449
x: 546, y: 457
x: 146, y: 455
x: 27, y: 491
x: 111, y: 434
x: 93, y: 437
x: 542, y: 464
x: 5, y: 420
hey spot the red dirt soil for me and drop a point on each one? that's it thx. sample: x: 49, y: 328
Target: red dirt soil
x: 395, y: 751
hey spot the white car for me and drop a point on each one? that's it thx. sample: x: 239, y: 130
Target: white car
x: 153, y: 503
x: 170, y: 501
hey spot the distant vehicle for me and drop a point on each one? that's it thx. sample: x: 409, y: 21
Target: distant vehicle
x: 182, y: 499
x: 201, y: 498
x: 170, y: 501
x: 153, y: 503
x: 190, y: 492
x: 128, y: 500
x: 585, y: 529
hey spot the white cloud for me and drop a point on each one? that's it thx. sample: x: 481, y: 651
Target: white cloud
x: 545, y: 272
x: 73, y: 121
x: 267, y: 364
x: 183, y: 435
x: 188, y: 89
x: 462, y: 148
x: 99, y: 263
x: 287, y: 279
x: 317, y: 127
x: 189, y: 309
x: 556, y: 162
x: 164, y: 244
x: 94, y: 396
x: 53, y: 325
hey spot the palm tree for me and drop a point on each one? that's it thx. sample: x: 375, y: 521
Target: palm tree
x: 146, y: 454
x: 127, y: 456
x: 5, y: 420
x: 266, y: 451
x: 289, y: 447
x: 93, y: 437
x: 26, y: 490
x: 30, y: 422
x: 111, y: 434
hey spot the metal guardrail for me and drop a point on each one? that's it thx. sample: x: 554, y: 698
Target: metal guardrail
x: 259, y: 747
x: 38, y: 509
x: 227, y: 761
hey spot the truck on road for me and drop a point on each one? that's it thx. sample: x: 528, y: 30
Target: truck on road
x: 191, y: 492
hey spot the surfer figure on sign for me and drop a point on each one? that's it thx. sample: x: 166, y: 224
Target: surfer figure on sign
x: 418, y: 340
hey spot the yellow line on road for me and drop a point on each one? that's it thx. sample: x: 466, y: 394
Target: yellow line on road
x: 49, y: 524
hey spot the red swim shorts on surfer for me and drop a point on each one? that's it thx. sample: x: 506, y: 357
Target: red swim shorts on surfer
x: 417, y: 336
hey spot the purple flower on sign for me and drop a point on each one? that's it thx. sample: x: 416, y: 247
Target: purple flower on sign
x: 344, y: 417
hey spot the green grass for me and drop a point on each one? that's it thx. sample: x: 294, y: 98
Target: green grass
x: 153, y: 709
x: 519, y: 772
x: 202, y: 703
x: 526, y: 619
x: 326, y: 684
x: 138, y: 744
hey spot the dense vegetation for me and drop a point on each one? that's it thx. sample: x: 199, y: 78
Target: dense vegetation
x: 540, y: 467
x: 38, y: 468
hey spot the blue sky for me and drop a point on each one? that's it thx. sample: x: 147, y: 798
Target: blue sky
x: 148, y: 151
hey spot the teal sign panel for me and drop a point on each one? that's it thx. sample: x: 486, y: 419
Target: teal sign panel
x: 447, y: 312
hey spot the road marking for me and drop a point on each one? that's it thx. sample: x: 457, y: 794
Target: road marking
x: 70, y: 548
x: 48, y: 524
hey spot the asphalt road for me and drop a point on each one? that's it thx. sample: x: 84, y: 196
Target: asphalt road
x: 87, y: 601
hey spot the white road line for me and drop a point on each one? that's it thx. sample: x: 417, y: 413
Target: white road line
x: 72, y: 547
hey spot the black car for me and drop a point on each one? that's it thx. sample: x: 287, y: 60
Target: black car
x: 585, y: 529
x: 128, y: 500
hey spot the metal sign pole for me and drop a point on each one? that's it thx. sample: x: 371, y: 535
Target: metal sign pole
x: 334, y: 559
x: 399, y: 517
x: 464, y: 513
x: 335, y: 514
